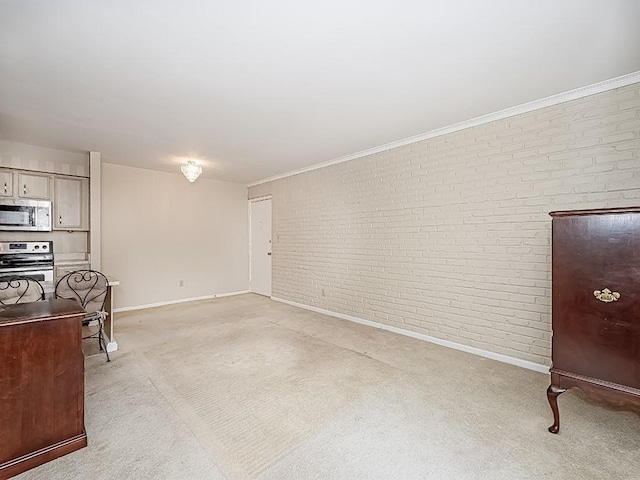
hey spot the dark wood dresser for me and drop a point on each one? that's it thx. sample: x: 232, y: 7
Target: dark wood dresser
x: 596, y: 305
x: 41, y: 384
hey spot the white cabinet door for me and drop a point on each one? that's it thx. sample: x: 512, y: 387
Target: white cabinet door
x: 6, y: 184
x: 70, y: 204
x: 33, y: 186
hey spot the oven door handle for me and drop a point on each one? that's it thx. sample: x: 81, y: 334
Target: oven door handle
x: 26, y: 263
x: 23, y: 258
x: 24, y: 269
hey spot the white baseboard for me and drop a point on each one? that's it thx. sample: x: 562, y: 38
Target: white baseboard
x: 182, y: 300
x: 445, y: 343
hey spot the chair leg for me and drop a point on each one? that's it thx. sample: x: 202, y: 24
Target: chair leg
x: 102, y: 342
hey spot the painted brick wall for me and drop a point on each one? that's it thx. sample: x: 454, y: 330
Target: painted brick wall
x: 450, y: 237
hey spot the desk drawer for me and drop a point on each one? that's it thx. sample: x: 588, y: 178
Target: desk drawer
x: 60, y: 271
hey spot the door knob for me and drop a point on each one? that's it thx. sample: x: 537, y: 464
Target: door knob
x: 269, y: 253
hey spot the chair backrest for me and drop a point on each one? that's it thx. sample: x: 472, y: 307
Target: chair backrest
x: 19, y: 289
x: 88, y: 287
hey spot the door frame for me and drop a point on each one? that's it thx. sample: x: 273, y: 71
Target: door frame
x: 253, y: 200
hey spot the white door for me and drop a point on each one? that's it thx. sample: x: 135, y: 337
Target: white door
x: 260, y: 249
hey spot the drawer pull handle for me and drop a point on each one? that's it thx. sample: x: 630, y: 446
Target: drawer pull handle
x: 606, y: 295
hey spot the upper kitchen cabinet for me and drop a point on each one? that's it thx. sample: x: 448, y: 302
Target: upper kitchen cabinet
x: 6, y: 183
x: 34, y: 186
x: 71, y: 203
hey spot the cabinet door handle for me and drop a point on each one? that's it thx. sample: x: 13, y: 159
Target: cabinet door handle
x: 5, y: 187
x: 24, y: 189
x: 60, y: 219
x: 606, y: 295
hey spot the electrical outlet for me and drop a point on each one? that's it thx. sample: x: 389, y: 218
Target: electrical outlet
x: 181, y: 283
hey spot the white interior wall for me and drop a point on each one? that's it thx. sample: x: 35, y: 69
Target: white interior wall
x: 159, y: 229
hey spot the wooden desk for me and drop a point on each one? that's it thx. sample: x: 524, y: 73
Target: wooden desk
x: 41, y: 384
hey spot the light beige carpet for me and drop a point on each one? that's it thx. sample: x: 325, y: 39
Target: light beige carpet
x: 244, y: 387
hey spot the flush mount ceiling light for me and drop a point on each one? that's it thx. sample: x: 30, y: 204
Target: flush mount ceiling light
x: 191, y: 170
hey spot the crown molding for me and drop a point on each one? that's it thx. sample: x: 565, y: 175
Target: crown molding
x: 575, y: 94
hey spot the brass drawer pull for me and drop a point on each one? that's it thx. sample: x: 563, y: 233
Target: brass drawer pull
x: 606, y: 295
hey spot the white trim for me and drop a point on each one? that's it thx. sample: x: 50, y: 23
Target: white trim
x: 575, y: 94
x: 260, y: 199
x: 438, y: 341
x: 95, y: 222
x: 112, y: 346
x: 182, y: 300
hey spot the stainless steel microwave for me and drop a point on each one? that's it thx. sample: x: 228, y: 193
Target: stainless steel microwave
x: 25, y: 215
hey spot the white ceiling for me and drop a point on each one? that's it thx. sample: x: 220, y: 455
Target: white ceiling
x: 255, y: 89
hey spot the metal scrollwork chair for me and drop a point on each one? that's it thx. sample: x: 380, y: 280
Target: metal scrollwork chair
x: 89, y: 289
x: 19, y: 289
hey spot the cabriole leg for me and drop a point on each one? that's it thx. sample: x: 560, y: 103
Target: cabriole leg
x: 552, y: 395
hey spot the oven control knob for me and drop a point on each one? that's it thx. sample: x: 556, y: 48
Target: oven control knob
x: 36, y: 247
x: 43, y: 246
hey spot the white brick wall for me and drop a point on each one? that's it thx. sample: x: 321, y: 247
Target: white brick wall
x: 450, y: 237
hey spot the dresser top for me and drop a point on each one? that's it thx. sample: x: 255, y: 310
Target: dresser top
x: 597, y: 211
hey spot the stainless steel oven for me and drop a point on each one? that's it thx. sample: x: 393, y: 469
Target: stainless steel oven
x: 29, y: 259
x: 25, y: 215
